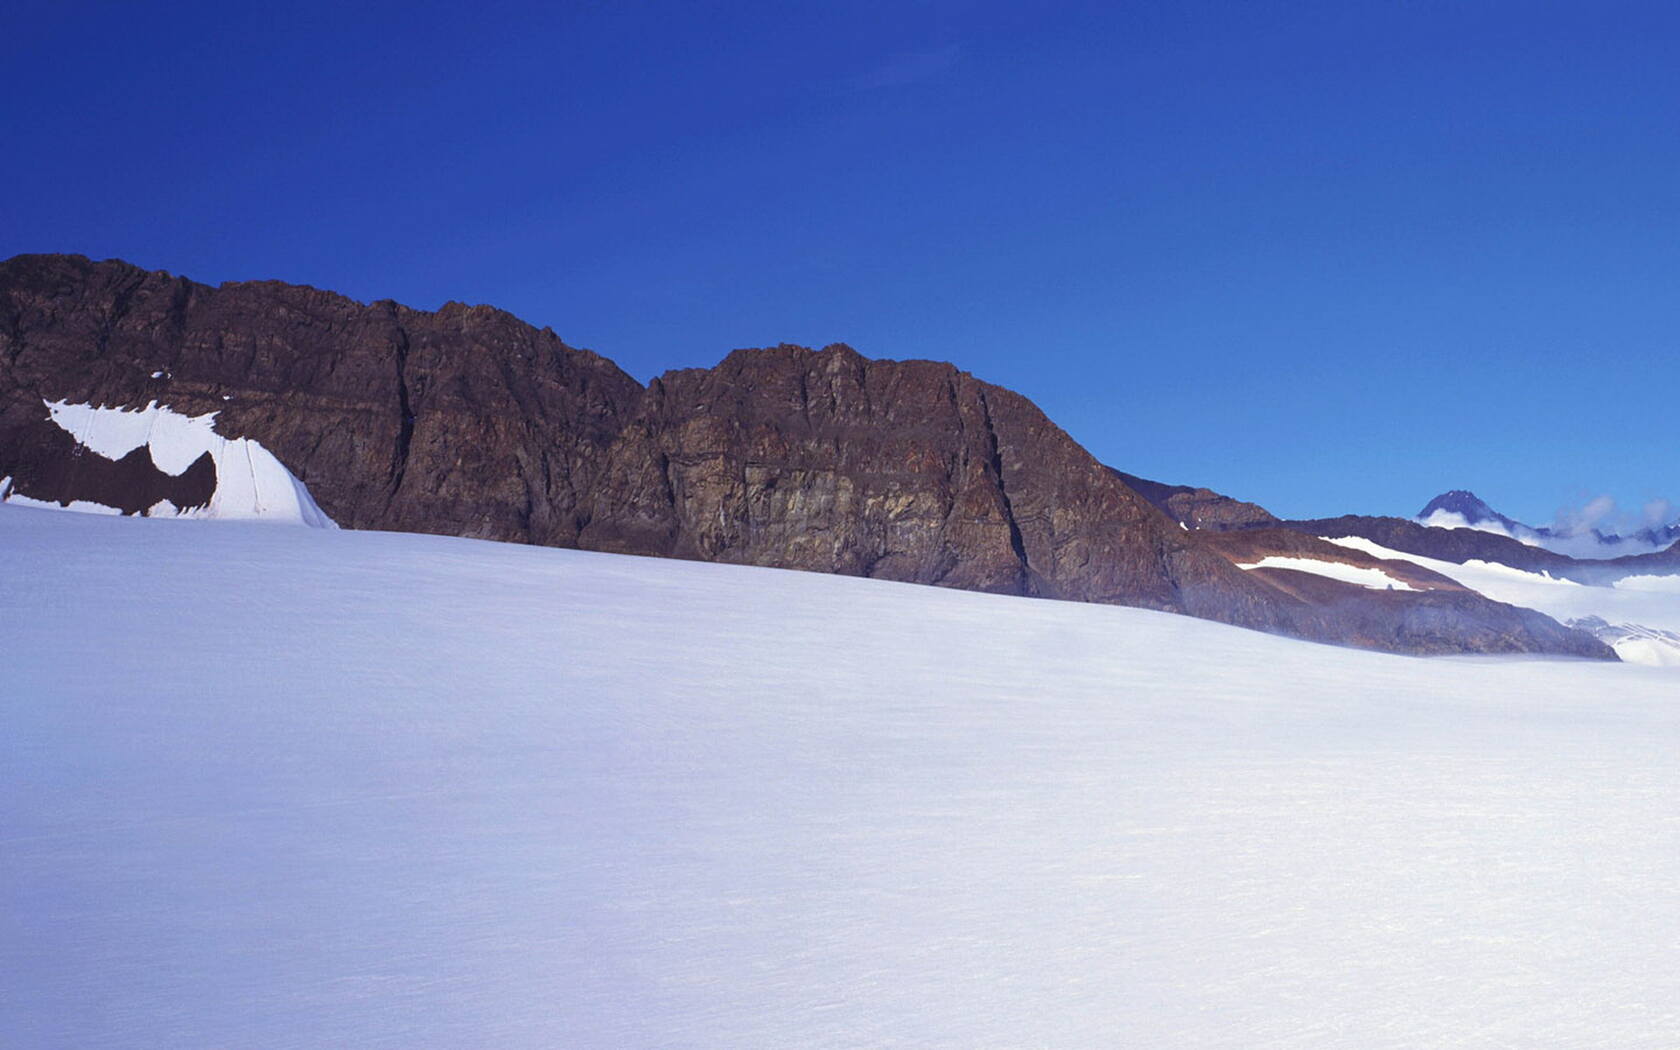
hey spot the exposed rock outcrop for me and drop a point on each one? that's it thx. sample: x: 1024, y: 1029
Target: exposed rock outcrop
x: 466, y: 421
x: 903, y: 470
x: 1199, y: 508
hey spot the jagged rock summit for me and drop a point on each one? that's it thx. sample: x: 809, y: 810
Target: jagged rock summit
x: 467, y: 421
x: 1470, y: 507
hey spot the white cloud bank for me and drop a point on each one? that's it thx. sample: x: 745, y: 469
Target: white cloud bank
x: 1572, y: 531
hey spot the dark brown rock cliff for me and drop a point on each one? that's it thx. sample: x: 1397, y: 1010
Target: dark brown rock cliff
x: 469, y: 422
x: 466, y: 421
x: 902, y: 470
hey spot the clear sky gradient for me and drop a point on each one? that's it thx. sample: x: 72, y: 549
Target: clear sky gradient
x: 1331, y: 257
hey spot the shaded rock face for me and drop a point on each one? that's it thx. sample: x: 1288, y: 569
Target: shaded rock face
x: 469, y: 422
x: 46, y: 463
x: 1434, y: 622
x: 1440, y: 615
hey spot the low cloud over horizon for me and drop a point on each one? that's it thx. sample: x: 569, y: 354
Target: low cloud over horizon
x: 1595, y: 527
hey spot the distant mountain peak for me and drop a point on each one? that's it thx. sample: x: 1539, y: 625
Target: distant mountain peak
x: 1469, y: 506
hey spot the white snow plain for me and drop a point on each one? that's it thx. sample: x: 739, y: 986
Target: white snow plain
x: 250, y: 482
x: 286, y: 788
x: 1370, y: 579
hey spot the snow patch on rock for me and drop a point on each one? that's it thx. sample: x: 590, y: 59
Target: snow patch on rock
x: 1373, y: 579
x: 1645, y: 610
x: 251, y: 484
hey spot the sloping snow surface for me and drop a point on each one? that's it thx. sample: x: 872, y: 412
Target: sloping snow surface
x: 297, y: 788
x: 1638, y: 644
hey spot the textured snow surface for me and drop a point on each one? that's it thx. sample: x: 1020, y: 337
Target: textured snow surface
x: 289, y: 788
x: 1372, y: 579
x: 250, y: 482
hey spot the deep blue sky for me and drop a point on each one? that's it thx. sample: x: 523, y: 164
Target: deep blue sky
x: 1331, y: 257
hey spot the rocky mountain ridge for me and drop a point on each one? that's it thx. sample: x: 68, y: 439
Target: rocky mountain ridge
x: 466, y: 421
x: 1467, y: 544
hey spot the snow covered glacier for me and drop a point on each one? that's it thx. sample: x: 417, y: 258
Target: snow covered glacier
x: 298, y: 788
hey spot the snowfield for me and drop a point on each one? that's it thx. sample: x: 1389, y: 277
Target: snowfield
x: 280, y: 788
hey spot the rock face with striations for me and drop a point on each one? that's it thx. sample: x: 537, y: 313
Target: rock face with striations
x: 469, y: 422
x: 902, y: 470
x: 465, y: 421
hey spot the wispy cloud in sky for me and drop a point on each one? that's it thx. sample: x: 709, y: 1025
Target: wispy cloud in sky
x: 1605, y: 514
x: 1657, y: 512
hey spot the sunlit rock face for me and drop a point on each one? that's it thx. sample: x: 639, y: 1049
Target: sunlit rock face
x: 464, y: 421
x: 467, y: 421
